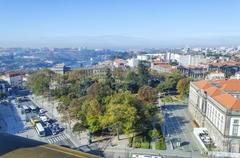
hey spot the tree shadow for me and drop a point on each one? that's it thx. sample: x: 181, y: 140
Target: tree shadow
x: 172, y: 107
x: 174, y: 123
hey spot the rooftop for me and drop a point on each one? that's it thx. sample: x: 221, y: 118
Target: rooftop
x: 225, y: 63
x: 222, y: 91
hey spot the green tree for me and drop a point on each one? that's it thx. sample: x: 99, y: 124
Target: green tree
x: 143, y: 73
x: 147, y: 94
x: 78, y: 127
x: 183, y: 87
x: 84, y: 86
x: 93, y: 114
x: 39, y: 81
x: 99, y: 91
x: 88, y: 111
x: 109, y: 80
x: 66, y: 101
x: 131, y: 82
x: 120, y: 113
x: 170, y: 81
x: 154, y: 133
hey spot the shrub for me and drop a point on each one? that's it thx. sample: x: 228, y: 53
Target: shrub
x: 154, y: 133
x: 130, y: 141
x: 137, y: 142
x: 160, y: 144
x: 145, y: 144
x: 141, y: 141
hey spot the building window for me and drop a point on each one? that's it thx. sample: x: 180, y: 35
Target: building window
x: 235, y: 128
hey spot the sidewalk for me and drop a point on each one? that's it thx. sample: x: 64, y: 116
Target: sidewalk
x: 130, y: 151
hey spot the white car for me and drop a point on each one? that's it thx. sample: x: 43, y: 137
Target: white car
x: 41, y: 111
x: 44, y: 118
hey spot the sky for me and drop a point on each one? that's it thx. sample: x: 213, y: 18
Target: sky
x: 119, y: 23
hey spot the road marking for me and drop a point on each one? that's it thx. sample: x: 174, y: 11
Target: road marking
x: 57, y: 138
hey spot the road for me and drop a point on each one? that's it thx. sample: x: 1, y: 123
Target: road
x: 13, y: 121
x: 50, y: 106
x: 177, y: 126
x: 59, y: 139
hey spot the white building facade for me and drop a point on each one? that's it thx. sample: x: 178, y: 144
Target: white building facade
x: 215, y: 105
x: 13, y: 79
x: 186, y: 59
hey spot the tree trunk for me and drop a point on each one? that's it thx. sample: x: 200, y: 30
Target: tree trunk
x: 118, y: 133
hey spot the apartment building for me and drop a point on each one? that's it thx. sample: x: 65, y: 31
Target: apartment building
x: 160, y: 66
x: 4, y: 85
x: 97, y: 71
x: 215, y: 105
x: 217, y: 75
x: 13, y: 78
x: 60, y: 68
x: 186, y: 59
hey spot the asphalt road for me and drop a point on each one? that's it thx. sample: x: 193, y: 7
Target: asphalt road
x: 178, y: 126
x: 18, y: 123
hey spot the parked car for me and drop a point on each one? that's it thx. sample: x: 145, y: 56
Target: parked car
x: 44, y: 118
x: 42, y: 111
x: 54, y: 132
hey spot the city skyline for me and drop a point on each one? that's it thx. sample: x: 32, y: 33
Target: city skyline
x: 125, y: 24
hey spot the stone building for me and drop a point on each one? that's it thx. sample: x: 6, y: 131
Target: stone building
x: 215, y: 105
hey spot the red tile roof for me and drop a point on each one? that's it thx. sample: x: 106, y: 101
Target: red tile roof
x: 220, y: 91
x: 164, y: 65
x: 231, y: 85
x: 228, y: 63
x: 213, y: 91
x: 227, y: 100
x: 203, y: 84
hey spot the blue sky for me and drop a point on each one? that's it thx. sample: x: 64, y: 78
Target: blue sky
x: 118, y: 23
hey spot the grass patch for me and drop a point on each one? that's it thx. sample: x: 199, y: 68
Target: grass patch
x: 167, y: 99
x: 171, y: 99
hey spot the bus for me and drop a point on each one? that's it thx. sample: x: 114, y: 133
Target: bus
x: 35, y: 120
x: 26, y: 109
x: 40, y: 129
x: 33, y: 108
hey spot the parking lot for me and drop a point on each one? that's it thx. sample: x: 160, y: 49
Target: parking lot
x: 16, y: 117
x: 178, y: 128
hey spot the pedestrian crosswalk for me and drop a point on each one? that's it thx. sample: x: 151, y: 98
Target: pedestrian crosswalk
x: 57, y: 138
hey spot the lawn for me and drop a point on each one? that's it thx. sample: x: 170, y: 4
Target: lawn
x: 171, y: 99
x: 144, y: 140
x: 140, y: 141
